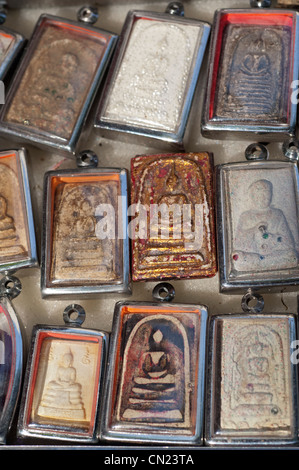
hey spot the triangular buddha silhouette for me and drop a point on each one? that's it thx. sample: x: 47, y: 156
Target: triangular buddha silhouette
x: 154, y: 385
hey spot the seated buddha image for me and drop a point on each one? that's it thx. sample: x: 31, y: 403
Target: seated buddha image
x: 83, y: 247
x: 263, y: 239
x: 79, y: 252
x: 54, y: 95
x: 154, y: 396
x: 155, y: 374
x: 53, y: 88
x: 256, y: 66
x: 174, y: 198
x: 9, y: 241
x: 62, y: 397
x: 85, y: 222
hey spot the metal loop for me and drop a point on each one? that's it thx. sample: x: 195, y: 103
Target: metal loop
x: 260, y: 3
x: 249, y: 297
x: 175, y: 8
x: 10, y: 287
x: 164, y: 292
x: 87, y: 159
x: 291, y: 150
x: 88, y: 14
x: 79, y: 315
x: 256, y: 152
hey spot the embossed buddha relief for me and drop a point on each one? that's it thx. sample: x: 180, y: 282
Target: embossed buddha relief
x: 13, y: 226
x: 176, y: 190
x: 54, y: 86
x: 151, y: 83
x: 264, y: 225
x: 255, y: 394
x: 64, y: 392
x: 254, y: 73
x: 79, y: 254
x: 61, y: 393
x: 263, y: 235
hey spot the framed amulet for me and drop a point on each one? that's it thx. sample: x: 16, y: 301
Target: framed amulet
x: 173, y: 226
x: 65, y: 370
x: 253, y: 75
x: 257, y: 213
x: 54, y: 86
x: 155, y: 378
x: 85, y: 243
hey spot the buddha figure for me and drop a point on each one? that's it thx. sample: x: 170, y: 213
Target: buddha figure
x: 176, y: 229
x: 150, y: 87
x: 9, y: 241
x: 54, y: 85
x: 7, y: 228
x: 155, y: 385
x: 254, y: 72
x: 80, y: 253
x: 254, y: 80
x: 153, y: 393
x: 63, y: 396
x: 263, y: 239
x: 174, y: 199
x: 85, y: 222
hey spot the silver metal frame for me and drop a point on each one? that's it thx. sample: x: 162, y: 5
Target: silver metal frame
x: 269, y: 281
x: 143, y: 134
x: 83, y: 290
x: 13, y: 52
x: 31, y: 261
x: 43, y: 139
x: 9, y: 409
x: 214, y: 438
x: 137, y: 433
x: 51, y: 431
x: 219, y: 128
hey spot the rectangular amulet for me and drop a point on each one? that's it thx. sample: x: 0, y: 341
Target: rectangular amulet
x: 173, y: 233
